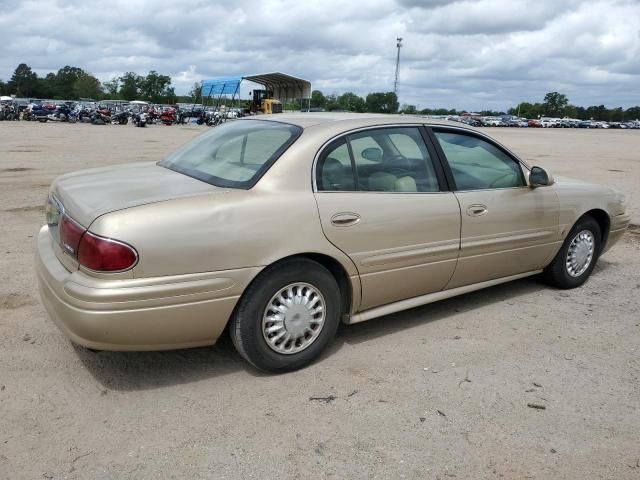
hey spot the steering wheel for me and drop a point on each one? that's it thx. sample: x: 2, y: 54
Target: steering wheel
x: 495, y: 182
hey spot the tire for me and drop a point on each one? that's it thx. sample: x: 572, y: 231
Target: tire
x: 299, y: 276
x: 560, y: 273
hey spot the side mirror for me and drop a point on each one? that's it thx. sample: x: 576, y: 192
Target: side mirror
x: 538, y: 177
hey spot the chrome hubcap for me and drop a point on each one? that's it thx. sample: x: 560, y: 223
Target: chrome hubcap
x: 293, y: 318
x: 580, y: 253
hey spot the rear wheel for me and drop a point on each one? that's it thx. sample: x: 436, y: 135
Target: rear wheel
x: 287, y: 316
x: 576, y: 259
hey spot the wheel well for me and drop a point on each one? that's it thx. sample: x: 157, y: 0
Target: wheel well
x: 602, y: 218
x: 338, y: 272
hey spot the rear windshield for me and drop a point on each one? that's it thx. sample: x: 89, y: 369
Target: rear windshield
x: 235, y: 154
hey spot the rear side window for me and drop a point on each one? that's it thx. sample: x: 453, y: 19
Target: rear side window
x: 235, y: 154
x: 378, y: 160
x: 477, y: 164
x: 334, y: 171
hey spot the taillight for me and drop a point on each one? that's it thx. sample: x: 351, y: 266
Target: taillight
x: 70, y: 235
x: 96, y: 253
x: 104, y: 254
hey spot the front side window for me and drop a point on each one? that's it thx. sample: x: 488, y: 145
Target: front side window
x: 477, y: 164
x: 378, y: 160
x: 235, y: 154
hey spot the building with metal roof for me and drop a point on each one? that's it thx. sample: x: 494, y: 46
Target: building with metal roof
x: 284, y: 87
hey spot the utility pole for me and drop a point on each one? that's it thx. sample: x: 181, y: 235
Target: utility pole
x: 395, y: 83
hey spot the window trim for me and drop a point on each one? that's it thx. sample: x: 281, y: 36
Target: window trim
x: 431, y: 130
x: 433, y: 157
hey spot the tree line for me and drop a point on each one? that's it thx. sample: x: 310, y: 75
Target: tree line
x: 554, y: 104
x: 557, y: 104
x: 73, y: 83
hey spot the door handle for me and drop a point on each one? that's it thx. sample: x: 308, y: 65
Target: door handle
x: 345, y: 219
x: 476, y: 210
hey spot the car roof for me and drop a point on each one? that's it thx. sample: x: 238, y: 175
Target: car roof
x: 348, y: 120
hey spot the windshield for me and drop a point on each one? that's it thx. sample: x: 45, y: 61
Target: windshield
x: 235, y: 154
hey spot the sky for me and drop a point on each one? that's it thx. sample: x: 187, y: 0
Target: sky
x: 467, y: 54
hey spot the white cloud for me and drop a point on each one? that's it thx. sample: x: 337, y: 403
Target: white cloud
x: 464, y: 54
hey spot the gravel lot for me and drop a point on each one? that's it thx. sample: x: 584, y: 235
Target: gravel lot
x: 436, y: 392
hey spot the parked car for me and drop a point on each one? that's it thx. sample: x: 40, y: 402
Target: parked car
x: 493, y: 122
x: 568, y: 123
x: 534, y: 124
x: 269, y: 225
x: 549, y: 122
x: 473, y: 122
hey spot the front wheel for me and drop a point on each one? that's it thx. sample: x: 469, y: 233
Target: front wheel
x: 287, y: 316
x: 576, y: 259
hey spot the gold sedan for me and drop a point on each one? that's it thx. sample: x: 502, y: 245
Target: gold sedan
x: 281, y: 227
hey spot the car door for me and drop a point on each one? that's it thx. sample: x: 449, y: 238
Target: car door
x: 381, y: 201
x: 507, y: 227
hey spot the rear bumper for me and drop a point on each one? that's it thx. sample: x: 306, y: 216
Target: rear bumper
x: 137, y: 314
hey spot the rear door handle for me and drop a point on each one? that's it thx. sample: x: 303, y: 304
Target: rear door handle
x: 476, y: 210
x: 345, y: 219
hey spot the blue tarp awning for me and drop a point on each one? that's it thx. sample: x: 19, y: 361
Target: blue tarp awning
x: 220, y: 86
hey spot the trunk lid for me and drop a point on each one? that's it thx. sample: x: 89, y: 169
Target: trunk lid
x: 87, y: 194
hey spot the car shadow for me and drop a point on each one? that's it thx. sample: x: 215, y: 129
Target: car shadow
x: 441, y: 310
x: 127, y: 371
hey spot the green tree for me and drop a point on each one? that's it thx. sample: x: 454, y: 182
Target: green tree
x: 46, y: 86
x: 318, y: 100
x: 195, y: 92
x: 408, y: 109
x: 3, y: 88
x: 380, y: 102
x: 554, y: 104
x: 66, y: 79
x: 570, y: 111
x: 351, y: 102
x: 599, y: 113
x: 111, y: 87
x: 129, y: 86
x: 331, y: 102
x: 526, y: 110
x: 24, y: 81
x: 616, y: 114
x: 87, y: 86
x: 156, y: 87
x: 632, y: 113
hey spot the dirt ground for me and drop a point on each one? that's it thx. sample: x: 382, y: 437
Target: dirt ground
x: 436, y: 392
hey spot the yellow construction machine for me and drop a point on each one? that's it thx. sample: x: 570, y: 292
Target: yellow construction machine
x: 264, y: 102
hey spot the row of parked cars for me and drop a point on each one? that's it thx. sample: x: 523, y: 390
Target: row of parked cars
x: 544, y: 122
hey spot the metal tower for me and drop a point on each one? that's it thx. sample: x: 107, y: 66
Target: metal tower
x: 395, y: 83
